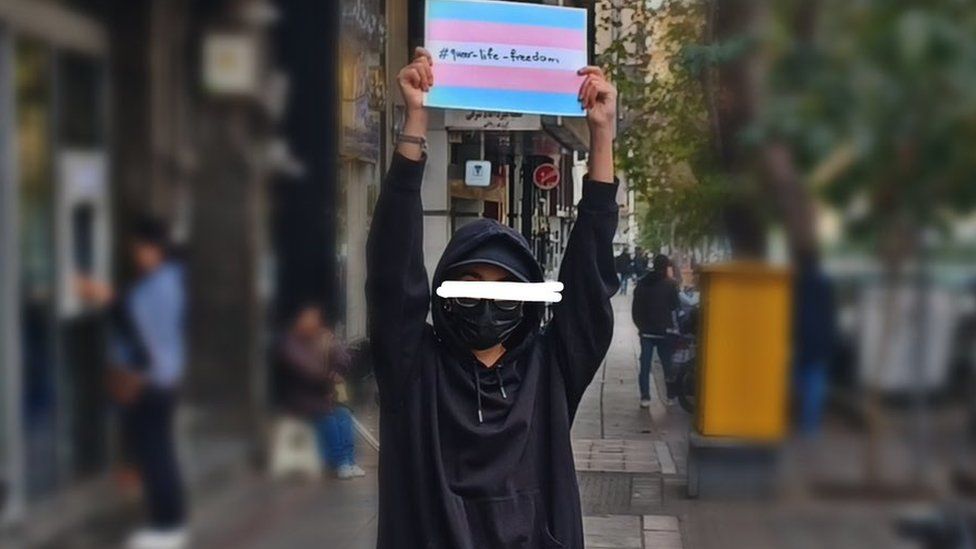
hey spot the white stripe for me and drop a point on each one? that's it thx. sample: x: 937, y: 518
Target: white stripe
x: 547, y: 292
x: 483, y: 54
x: 364, y: 432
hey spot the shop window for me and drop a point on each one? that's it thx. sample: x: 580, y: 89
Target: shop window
x: 493, y: 210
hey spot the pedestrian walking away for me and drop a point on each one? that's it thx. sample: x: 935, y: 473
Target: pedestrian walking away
x: 625, y: 269
x: 654, y: 311
x: 476, y: 409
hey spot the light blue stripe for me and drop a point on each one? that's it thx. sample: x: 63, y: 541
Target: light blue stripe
x: 561, y: 104
x: 523, y: 14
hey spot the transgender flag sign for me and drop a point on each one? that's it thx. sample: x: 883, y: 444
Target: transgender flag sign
x: 504, y: 56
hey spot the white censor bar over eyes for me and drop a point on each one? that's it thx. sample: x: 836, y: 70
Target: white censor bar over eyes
x: 542, y: 292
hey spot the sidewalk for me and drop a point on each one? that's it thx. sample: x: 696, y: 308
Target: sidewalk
x: 628, y: 458
x: 631, y: 465
x: 622, y: 452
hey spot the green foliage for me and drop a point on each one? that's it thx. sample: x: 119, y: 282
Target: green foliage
x: 894, y: 83
x: 888, y: 87
x: 663, y: 142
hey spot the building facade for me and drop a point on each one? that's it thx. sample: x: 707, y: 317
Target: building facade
x: 54, y: 223
x: 267, y: 165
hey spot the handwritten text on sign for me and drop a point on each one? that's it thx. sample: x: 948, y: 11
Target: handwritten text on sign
x: 508, y: 57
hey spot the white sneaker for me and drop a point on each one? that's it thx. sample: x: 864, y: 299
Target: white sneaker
x: 356, y: 471
x: 346, y: 472
x: 176, y: 538
x: 645, y: 403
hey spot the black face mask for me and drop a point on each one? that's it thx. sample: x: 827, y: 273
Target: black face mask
x: 483, y: 323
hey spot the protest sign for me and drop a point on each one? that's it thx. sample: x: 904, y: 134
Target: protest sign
x: 505, y: 56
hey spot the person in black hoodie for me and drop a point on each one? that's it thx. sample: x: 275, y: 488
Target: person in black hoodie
x: 625, y: 268
x: 476, y: 409
x: 656, y: 303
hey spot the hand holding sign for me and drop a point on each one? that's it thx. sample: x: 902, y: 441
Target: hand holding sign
x: 415, y: 79
x: 599, y: 98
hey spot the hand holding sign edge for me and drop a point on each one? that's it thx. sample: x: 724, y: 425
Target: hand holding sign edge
x: 599, y: 98
x: 415, y: 80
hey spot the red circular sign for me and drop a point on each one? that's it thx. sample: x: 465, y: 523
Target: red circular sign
x: 546, y: 176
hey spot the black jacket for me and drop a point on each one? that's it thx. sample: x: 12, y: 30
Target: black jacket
x: 446, y: 480
x: 624, y: 264
x: 655, y: 303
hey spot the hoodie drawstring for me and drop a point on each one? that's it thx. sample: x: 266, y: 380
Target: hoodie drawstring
x: 477, y: 389
x: 501, y: 382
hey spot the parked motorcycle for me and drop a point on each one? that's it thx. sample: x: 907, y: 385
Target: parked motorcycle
x: 686, y: 357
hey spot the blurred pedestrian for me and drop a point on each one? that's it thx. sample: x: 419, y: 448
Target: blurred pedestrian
x: 147, y: 350
x: 477, y: 408
x: 656, y: 304
x: 814, y: 337
x: 690, y: 294
x: 625, y: 269
x: 640, y: 262
x: 313, y: 364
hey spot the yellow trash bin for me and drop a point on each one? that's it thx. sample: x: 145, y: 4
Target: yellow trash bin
x: 745, y: 348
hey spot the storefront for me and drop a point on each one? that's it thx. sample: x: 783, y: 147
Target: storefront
x: 362, y: 46
x: 515, y: 146
x: 54, y: 222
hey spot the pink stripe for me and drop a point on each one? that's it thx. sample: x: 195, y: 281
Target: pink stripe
x: 452, y: 30
x: 505, y: 78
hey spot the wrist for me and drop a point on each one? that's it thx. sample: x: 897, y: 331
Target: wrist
x: 415, y: 125
x: 601, y: 133
x: 416, y: 118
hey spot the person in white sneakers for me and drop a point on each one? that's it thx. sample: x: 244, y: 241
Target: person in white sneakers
x: 147, y: 351
x: 311, y: 386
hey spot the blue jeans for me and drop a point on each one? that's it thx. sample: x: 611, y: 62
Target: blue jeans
x: 336, y: 437
x: 624, y: 279
x: 810, y: 392
x: 665, y: 351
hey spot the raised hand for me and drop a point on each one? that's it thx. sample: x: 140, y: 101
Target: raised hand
x: 599, y: 98
x: 415, y: 79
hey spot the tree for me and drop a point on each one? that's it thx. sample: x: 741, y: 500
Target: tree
x: 663, y: 144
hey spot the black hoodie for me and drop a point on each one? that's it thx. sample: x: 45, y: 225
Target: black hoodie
x: 447, y: 479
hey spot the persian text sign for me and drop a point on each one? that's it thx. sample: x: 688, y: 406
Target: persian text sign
x: 482, y: 120
x: 505, y: 56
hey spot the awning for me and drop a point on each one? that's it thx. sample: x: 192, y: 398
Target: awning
x: 571, y: 133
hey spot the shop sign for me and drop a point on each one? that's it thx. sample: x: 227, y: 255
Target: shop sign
x: 477, y: 173
x: 499, y: 121
x: 230, y: 64
x: 546, y: 176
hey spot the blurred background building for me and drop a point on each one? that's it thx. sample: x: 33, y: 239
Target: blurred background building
x: 260, y: 131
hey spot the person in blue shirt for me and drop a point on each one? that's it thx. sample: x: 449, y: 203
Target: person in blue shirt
x: 147, y: 352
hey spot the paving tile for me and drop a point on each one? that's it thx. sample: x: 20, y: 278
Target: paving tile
x: 662, y: 540
x: 612, y: 531
x: 664, y: 523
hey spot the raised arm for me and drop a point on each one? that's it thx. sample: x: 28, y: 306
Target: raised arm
x: 582, y: 324
x: 397, y: 293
